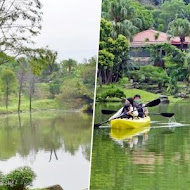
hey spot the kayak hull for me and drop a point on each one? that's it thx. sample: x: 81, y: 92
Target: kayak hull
x: 123, y: 134
x: 129, y: 123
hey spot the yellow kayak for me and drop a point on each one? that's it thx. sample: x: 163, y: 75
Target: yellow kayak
x: 122, y: 134
x: 130, y: 123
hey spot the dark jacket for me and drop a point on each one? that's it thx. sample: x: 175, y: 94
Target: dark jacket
x: 140, y: 109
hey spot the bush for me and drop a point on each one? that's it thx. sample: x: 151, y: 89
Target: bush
x: 18, y: 179
x: 113, y: 93
x: 123, y: 81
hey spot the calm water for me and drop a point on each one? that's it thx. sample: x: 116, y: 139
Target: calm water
x: 155, y: 158
x: 56, y: 145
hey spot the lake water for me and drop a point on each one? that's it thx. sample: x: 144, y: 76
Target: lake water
x: 154, y: 158
x: 56, y: 145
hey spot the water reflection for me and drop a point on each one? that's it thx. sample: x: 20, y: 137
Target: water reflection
x: 130, y: 137
x: 158, y: 158
x: 51, y: 143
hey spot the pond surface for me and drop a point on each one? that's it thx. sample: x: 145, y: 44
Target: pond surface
x: 156, y: 157
x: 56, y: 145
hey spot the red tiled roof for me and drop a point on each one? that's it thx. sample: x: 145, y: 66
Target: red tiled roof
x: 148, y: 37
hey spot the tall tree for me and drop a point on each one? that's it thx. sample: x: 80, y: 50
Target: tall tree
x: 123, y: 18
x: 113, y: 54
x: 179, y: 27
x: 21, y: 76
x: 31, y: 88
x: 168, y: 12
x: 20, y: 20
x: 69, y: 64
x: 9, y: 84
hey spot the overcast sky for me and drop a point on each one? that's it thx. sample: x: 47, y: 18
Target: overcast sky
x: 71, y: 27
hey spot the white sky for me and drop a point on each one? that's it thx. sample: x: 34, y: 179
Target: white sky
x: 71, y: 27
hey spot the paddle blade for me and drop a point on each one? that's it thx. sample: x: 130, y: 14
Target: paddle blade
x: 108, y: 111
x: 153, y: 103
x: 96, y: 126
x: 167, y: 114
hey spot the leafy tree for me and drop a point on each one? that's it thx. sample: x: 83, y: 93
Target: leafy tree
x: 9, y: 84
x: 122, y: 15
x: 121, y: 52
x: 48, y: 58
x: 168, y: 12
x: 41, y: 59
x: 86, y: 72
x: 151, y: 74
x: 113, y: 55
x: 144, y: 14
x: 69, y: 64
x: 105, y: 63
x: 20, y: 21
x: 179, y: 27
x: 21, y: 77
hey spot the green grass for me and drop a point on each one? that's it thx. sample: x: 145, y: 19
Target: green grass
x: 45, y: 104
x: 146, y: 96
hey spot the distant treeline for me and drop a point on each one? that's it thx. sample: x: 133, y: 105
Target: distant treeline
x: 68, y: 82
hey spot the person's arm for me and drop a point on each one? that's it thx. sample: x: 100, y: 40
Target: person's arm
x: 133, y: 112
x: 117, y: 114
x: 145, y: 111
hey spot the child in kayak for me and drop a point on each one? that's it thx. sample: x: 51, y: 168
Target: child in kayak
x: 128, y: 111
x: 137, y: 103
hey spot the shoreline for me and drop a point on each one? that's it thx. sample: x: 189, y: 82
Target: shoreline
x: 44, y: 110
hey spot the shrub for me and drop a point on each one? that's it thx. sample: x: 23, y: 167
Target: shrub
x: 18, y: 179
x: 123, y: 81
x: 117, y: 93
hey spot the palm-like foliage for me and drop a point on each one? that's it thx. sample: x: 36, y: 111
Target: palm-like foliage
x: 179, y: 27
x: 70, y: 63
x: 123, y: 18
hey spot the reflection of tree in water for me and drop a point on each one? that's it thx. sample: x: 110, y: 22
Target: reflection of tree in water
x: 28, y: 134
x: 76, y: 132
x: 9, y: 139
x: 86, y: 151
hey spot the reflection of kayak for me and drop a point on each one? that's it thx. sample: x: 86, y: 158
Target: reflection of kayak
x: 121, y: 134
x: 129, y: 123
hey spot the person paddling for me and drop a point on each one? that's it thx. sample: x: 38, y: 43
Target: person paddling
x: 128, y: 110
x: 142, y: 112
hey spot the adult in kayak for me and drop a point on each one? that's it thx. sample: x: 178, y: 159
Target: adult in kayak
x: 142, y: 112
x: 127, y: 111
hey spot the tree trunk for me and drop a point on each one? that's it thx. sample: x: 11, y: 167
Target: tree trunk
x: 20, y: 91
x: 30, y: 102
x: 105, y: 76
x: 100, y: 77
x: 110, y: 76
x: 182, y: 40
x: 7, y: 97
x: 69, y: 69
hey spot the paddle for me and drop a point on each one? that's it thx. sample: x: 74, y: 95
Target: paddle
x: 108, y: 112
x: 150, y: 104
x: 163, y: 114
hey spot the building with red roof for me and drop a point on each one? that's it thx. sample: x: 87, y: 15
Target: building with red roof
x: 151, y: 36
x: 142, y: 39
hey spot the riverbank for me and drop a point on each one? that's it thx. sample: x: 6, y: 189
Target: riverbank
x: 37, y: 105
x: 40, y: 105
x: 146, y: 96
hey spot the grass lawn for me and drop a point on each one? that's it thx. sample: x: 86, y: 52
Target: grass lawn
x: 44, y: 104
